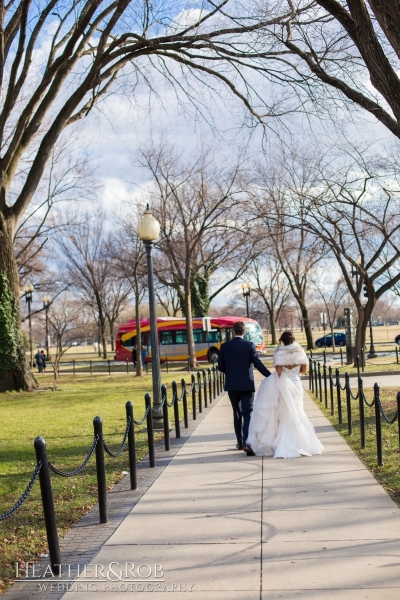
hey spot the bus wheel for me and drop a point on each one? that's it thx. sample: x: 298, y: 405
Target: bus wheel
x: 214, y: 355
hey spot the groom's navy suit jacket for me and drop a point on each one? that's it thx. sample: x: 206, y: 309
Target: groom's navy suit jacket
x: 236, y: 360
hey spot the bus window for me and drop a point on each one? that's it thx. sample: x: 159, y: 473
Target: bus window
x: 223, y: 335
x: 198, y: 336
x: 166, y: 338
x: 254, y: 334
x: 131, y: 341
x: 180, y: 336
x: 213, y: 337
x: 226, y: 335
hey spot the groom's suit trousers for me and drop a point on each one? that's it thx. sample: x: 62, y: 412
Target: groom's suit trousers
x: 242, y: 405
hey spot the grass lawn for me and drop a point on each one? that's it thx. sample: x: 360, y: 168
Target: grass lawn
x: 389, y: 474
x: 64, y: 418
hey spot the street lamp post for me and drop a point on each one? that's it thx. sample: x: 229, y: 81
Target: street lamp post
x: 149, y: 231
x: 246, y: 288
x: 28, y: 289
x: 46, y: 303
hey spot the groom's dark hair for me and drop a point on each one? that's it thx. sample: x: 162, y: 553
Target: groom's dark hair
x: 239, y: 328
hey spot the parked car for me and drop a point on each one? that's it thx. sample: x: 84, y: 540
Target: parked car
x: 340, y: 340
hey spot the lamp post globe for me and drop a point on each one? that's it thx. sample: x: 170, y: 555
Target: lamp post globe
x: 149, y: 231
x: 246, y: 288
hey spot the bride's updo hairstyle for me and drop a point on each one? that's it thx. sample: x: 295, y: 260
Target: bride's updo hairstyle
x: 286, y: 338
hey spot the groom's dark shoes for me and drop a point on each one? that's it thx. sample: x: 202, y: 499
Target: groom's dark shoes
x: 239, y: 446
x: 248, y: 450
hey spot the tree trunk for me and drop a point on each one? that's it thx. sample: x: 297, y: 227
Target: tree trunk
x: 273, y: 327
x: 189, y: 327
x: 364, y: 314
x: 139, y: 369
x: 15, y: 373
x: 111, y: 326
x: 307, y: 327
x: 103, y: 336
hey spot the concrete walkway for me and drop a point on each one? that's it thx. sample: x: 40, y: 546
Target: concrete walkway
x: 223, y: 526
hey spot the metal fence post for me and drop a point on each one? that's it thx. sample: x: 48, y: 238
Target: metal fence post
x: 101, y: 469
x: 217, y: 377
x: 214, y: 382
x: 378, y: 426
x: 339, y: 399
x: 362, y: 360
x: 48, y: 506
x: 361, y: 411
x: 205, y: 388
x: 184, y: 402
x: 164, y: 399
x: 397, y: 354
x: 194, y: 409
x: 209, y: 385
x: 176, y: 410
x: 320, y: 381
x: 73, y: 366
x: 341, y: 356
x: 310, y: 375
x: 127, y: 369
x: 131, y: 445
x: 150, y: 434
x: 325, y: 387
x: 316, y: 378
x: 200, y: 398
x: 166, y: 360
x: 331, y: 391
x: 348, y: 403
x: 109, y: 366
x: 91, y: 367
x: 188, y: 361
x: 398, y: 415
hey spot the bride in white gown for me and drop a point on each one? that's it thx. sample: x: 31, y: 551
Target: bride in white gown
x: 279, y: 426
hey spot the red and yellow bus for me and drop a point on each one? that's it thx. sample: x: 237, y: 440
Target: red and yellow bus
x: 172, y: 337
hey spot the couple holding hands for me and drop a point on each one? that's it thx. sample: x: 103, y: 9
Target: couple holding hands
x: 277, y: 424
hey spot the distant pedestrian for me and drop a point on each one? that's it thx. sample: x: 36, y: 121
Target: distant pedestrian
x: 144, y: 355
x: 134, y: 355
x: 39, y: 361
x: 44, y: 359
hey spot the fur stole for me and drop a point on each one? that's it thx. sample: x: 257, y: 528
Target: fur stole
x: 290, y: 355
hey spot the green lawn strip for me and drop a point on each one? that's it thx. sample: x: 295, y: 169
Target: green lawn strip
x: 371, y: 367
x: 388, y: 475
x: 64, y: 418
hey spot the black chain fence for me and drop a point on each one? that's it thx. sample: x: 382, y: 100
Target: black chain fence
x: 208, y: 387
x: 319, y: 385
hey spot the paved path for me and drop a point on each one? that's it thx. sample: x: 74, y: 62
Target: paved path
x: 228, y: 527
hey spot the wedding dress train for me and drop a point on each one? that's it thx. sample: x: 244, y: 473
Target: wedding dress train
x: 279, y: 426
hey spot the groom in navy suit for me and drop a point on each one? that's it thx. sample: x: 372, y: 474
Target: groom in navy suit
x: 236, y: 360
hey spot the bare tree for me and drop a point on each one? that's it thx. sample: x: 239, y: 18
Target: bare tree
x: 354, y: 210
x: 297, y: 250
x: 129, y: 256
x: 346, y: 45
x: 116, y: 296
x: 332, y: 295
x: 202, y: 228
x: 83, y: 252
x: 271, y: 286
x: 84, y: 48
x: 64, y: 319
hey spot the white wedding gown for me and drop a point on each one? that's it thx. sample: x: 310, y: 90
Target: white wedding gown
x: 279, y: 426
